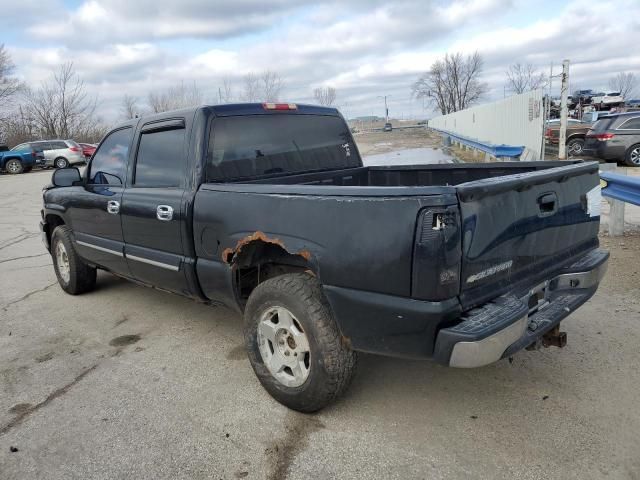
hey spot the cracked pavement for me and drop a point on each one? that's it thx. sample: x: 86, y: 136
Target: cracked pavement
x: 128, y: 382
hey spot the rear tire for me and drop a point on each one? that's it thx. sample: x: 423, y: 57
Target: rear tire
x: 632, y: 157
x: 74, y: 275
x: 61, y: 162
x: 14, y: 166
x: 292, y: 306
x: 575, y: 146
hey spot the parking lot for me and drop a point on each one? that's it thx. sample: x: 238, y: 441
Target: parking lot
x: 130, y: 382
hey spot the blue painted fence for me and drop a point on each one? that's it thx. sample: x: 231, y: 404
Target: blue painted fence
x: 621, y: 187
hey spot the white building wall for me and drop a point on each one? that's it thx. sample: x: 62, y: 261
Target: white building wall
x: 516, y: 121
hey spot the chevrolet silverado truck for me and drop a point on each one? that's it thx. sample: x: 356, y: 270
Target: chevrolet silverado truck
x: 269, y: 210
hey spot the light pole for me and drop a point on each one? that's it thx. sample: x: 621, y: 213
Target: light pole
x: 386, y: 109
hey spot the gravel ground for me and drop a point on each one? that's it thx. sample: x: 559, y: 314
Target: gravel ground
x: 129, y: 382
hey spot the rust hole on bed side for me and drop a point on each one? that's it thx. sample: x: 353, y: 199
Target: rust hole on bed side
x: 229, y: 254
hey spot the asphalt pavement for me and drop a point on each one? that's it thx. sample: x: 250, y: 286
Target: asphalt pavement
x: 130, y: 382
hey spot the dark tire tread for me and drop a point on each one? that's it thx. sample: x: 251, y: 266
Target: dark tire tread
x: 82, y: 276
x: 337, y: 361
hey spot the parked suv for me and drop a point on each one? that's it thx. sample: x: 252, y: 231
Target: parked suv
x: 60, y: 153
x: 616, y: 138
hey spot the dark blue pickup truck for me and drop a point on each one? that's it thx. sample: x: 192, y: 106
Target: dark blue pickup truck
x: 21, y: 159
x: 268, y: 209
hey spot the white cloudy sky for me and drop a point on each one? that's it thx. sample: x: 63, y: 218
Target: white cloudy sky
x: 364, y: 48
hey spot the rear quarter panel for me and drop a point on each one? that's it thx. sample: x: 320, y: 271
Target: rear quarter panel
x: 360, y: 242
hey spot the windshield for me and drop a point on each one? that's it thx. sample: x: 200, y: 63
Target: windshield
x: 260, y: 145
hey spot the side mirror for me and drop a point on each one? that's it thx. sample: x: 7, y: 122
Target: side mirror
x: 66, y: 177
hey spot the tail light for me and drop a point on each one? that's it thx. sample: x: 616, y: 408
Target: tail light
x: 34, y: 154
x: 74, y: 149
x: 603, y: 137
x: 279, y: 106
x: 548, y: 133
x: 437, y: 257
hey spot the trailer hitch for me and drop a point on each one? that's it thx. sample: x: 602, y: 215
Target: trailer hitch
x: 554, y: 338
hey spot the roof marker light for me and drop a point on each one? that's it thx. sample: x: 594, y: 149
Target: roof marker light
x: 279, y: 106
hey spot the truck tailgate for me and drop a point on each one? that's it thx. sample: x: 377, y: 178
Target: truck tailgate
x: 518, y: 229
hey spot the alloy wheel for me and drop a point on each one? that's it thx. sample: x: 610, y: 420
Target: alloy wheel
x: 284, y: 346
x: 62, y: 261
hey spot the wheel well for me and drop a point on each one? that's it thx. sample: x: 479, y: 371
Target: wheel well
x: 52, y: 221
x: 574, y: 137
x: 260, y: 259
x: 7, y: 159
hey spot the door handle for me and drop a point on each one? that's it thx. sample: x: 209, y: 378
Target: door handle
x: 164, y: 213
x: 113, y: 207
x: 548, y: 204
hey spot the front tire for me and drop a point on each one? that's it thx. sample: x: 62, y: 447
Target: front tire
x: 74, y: 275
x: 294, y: 344
x: 14, y: 166
x: 632, y: 157
x: 61, y: 162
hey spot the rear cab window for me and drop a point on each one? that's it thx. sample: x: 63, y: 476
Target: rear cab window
x: 251, y: 146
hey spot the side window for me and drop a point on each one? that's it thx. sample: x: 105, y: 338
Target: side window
x: 161, y: 159
x: 631, y: 124
x: 58, y: 145
x: 108, y: 165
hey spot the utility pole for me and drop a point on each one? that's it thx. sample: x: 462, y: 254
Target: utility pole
x: 564, y: 93
x: 219, y: 95
x: 386, y: 109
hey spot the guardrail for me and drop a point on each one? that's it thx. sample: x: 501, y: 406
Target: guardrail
x: 617, y: 190
x: 497, y: 151
x: 621, y: 187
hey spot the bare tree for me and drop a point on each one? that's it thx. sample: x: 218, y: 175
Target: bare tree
x: 176, y: 97
x: 625, y: 83
x: 272, y: 86
x: 263, y: 87
x: 251, y: 88
x: 129, y: 107
x: 61, y: 107
x: 226, y: 92
x: 524, y: 78
x: 325, y: 95
x: 452, y: 83
x: 9, y: 85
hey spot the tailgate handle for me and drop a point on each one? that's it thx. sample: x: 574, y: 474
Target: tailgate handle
x: 548, y: 204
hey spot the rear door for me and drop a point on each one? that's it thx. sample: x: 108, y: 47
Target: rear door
x: 519, y: 229
x: 628, y: 134
x: 153, y: 213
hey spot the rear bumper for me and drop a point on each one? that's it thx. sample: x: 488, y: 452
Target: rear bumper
x: 405, y: 327
x: 604, y: 150
x: 512, y: 322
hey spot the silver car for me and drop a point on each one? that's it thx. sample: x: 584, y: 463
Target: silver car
x: 60, y: 153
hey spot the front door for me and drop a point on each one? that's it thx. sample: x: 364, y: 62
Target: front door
x: 96, y: 210
x: 153, y: 212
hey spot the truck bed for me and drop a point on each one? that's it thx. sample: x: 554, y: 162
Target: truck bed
x: 410, y: 175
